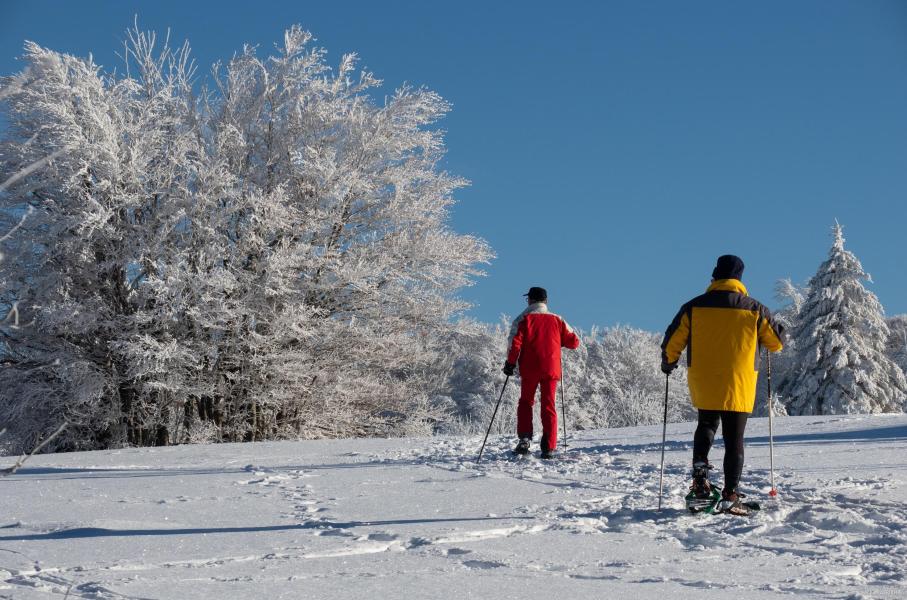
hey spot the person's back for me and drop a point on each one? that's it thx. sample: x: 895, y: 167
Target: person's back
x: 539, y: 335
x: 536, y: 339
x: 722, y: 331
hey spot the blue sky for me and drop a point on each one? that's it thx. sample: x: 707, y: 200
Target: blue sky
x: 615, y: 149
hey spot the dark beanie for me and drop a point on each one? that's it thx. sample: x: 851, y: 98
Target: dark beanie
x: 537, y: 294
x: 728, y: 267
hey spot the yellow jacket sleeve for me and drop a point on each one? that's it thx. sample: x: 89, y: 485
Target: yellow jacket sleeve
x: 771, y: 334
x: 676, y: 338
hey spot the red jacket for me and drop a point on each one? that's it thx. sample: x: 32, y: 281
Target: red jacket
x: 536, y: 337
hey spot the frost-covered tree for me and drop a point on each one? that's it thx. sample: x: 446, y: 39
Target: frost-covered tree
x: 612, y: 380
x: 268, y: 258
x: 615, y: 381
x: 791, y: 296
x: 897, y: 340
x: 473, y: 380
x: 839, y: 339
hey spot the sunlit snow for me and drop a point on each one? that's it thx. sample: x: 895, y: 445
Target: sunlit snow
x: 417, y: 518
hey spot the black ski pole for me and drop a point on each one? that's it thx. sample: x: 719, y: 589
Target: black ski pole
x: 664, y: 437
x: 564, y: 403
x: 493, y: 415
x: 771, y: 434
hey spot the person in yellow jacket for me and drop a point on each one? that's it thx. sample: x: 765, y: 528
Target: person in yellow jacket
x: 722, y: 332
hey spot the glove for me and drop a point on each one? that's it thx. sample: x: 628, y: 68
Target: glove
x: 508, y: 369
x: 668, y: 368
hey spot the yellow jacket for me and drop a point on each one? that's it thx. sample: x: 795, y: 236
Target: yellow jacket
x: 722, y: 331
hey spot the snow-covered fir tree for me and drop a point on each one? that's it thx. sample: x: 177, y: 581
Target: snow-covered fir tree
x: 839, y: 340
x: 269, y: 258
x: 897, y: 340
x: 791, y: 296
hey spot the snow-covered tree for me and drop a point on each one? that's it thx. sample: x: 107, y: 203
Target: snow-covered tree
x: 791, y: 296
x: 473, y: 380
x: 612, y: 380
x: 270, y: 258
x: 839, y: 339
x: 617, y: 382
x: 897, y: 340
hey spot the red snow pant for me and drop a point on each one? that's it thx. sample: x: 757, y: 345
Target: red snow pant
x: 549, y: 412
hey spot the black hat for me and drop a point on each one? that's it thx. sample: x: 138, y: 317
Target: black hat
x: 537, y: 294
x: 728, y: 267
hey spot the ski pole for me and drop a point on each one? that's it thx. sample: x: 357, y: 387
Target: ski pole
x: 493, y: 415
x: 564, y: 403
x: 664, y: 437
x: 771, y: 442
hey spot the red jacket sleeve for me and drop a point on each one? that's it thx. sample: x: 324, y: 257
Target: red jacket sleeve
x: 569, y: 339
x: 517, y: 342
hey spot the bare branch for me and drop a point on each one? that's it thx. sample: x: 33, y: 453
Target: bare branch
x: 25, y: 172
x: 25, y: 457
x: 18, y: 225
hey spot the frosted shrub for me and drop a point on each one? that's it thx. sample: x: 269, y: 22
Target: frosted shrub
x: 269, y: 258
x: 612, y: 380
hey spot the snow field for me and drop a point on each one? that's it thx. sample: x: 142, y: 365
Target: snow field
x: 417, y: 518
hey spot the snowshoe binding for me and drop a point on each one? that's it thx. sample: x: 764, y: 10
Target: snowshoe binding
x: 703, y: 497
x: 732, y: 503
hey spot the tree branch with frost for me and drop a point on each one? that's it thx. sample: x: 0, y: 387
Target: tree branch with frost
x: 38, y: 448
x: 21, y: 222
x: 14, y: 84
x: 28, y: 170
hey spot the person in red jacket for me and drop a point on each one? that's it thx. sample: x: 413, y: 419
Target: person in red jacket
x: 536, y: 339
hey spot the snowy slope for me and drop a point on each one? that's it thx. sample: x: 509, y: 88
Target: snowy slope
x: 417, y: 518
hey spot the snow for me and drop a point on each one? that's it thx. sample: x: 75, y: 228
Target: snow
x: 416, y: 518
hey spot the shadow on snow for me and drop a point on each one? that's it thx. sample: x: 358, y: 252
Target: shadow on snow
x: 99, y: 532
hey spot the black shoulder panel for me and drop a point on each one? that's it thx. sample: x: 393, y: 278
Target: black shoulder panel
x: 725, y: 299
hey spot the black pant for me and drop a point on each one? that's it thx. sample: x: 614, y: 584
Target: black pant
x: 732, y: 426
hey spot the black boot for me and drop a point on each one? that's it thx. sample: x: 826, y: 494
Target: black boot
x: 522, y: 446
x: 549, y: 454
x: 732, y: 503
x: 701, y: 486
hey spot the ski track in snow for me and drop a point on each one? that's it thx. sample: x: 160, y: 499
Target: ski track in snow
x: 586, y: 523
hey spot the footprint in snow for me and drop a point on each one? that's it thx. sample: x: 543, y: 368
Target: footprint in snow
x: 333, y: 533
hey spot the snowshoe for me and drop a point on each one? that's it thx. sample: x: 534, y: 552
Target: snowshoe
x: 732, y: 503
x: 522, y: 447
x: 549, y: 454
x: 699, y: 501
x: 702, y: 496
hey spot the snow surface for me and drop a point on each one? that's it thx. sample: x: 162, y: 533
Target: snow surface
x: 416, y: 518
